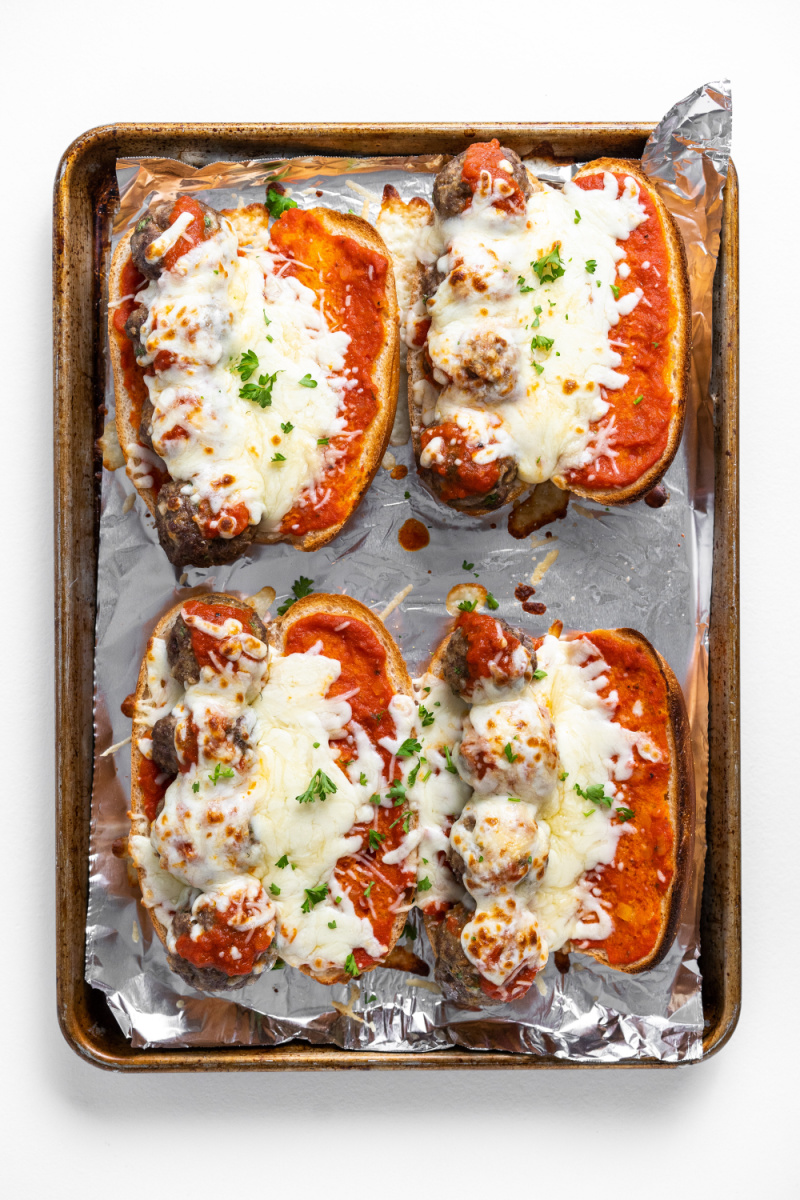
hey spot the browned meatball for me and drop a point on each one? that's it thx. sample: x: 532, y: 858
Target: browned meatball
x: 164, y: 752
x: 442, y: 487
x: 486, y: 366
x: 133, y: 328
x: 154, y: 222
x: 459, y: 980
x: 454, y: 664
x: 452, y: 194
x: 180, y: 654
x: 210, y: 979
x: 183, y: 539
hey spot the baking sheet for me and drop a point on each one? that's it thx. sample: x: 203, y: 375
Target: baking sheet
x: 636, y: 566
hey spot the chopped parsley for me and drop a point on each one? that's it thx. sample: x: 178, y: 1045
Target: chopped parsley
x: 314, y: 896
x: 424, y: 885
x: 220, y: 772
x: 397, y: 792
x: 468, y: 605
x: 491, y: 602
x: 287, y: 427
x: 260, y: 393
x: 307, y: 381
x: 615, y: 290
x: 426, y: 716
x: 450, y: 765
x: 522, y: 285
x: 550, y: 266
x: 412, y: 778
x: 639, y: 399
x: 301, y: 587
x: 375, y: 839
x: 465, y: 566
x: 369, y: 888
x: 283, y: 861
x: 406, y: 822
x: 277, y: 203
x: 362, y: 779
x: 323, y: 441
x: 538, y: 368
x: 410, y: 746
x: 509, y: 753
x: 278, y: 458
x: 350, y: 965
x: 374, y: 799
x: 195, y: 787
x: 406, y: 495
x: 539, y: 674
x: 591, y: 265
x: 276, y: 891
x: 514, y: 800
x: 540, y: 342
x: 577, y: 220
x: 248, y: 365
x: 320, y: 787
x: 563, y: 775
x: 625, y: 814
x: 594, y: 792
x: 331, y: 924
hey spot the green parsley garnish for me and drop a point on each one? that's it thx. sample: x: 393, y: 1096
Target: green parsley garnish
x: 625, y: 814
x: 450, y: 766
x: 465, y: 566
x: 424, y: 885
x: 276, y: 891
x: 307, y: 381
x: 410, y: 746
x: 331, y: 924
x: 374, y: 799
x: 320, y: 787
x: 522, y: 285
x: 314, y: 896
x: 514, y: 800
x: 220, y: 772
x: 288, y: 427
x: 538, y: 368
x: 283, y: 861
x: 260, y: 393
x: 594, y: 792
x: 375, y: 839
x: 362, y: 779
x: 549, y: 267
x: 509, y: 753
x: 591, y: 265
x: 350, y: 966
x: 468, y: 605
x: 278, y: 458
x: 397, y: 792
x: 539, y: 674
x: 406, y: 822
x: 540, y: 342
x: 426, y: 717
x: 577, y: 218
x: 323, y: 441
x: 491, y: 602
x: 406, y: 495
x: 638, y: 399
x: 277, y: 203
x: 563, y: 775
x: 301, y: 587
x: 369, y: 888
x: 195, y: 787
x: 248, y: 365
x: 615, y: 290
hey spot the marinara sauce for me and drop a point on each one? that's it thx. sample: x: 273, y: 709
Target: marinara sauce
x: 364, y: 666
x: 349, y: 281
x: 487, y: 156
x: 641, y: 425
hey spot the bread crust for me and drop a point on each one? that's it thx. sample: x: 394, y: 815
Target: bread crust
x: 385, y: 376
x: 277, y: 632
x: 681, y: 796
x: 677, y: 370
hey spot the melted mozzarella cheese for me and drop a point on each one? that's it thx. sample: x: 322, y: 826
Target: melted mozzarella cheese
x: 224, y: 297
x: 542, y: 406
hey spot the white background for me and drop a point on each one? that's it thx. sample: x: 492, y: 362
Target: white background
x: 727, y: 1126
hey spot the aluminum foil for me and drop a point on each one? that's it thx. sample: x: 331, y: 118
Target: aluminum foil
x: 636, y: 566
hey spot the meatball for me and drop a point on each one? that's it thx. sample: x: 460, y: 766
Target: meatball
x: 486, y: 366
x: 211, y: 979
x: 154, y: 222
x: 460, y: 981
x: 495, y: 843
x: 442, y: 487
x: 133, y: 328
x: 180, y: 653
x: 182, y: 538
x: 509, y: 749
x: 452, y: 194
x: 455, y: 667
x: 164, y: 752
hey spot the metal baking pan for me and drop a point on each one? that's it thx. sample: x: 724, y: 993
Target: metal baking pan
x: 85, y: 196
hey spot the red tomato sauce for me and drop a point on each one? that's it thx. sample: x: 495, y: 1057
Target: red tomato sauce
x: 204, y: 644
x: 153, y: 781
x: 338, y: 269
x: 461, y: 476
x: 487, y: 642
x: 131, y: 282
x: 194, y: 233
x: 487, y: 156
x: 364, y: 666
x: 635, y: 893
x: 641, y: 430
x: 215, y: 945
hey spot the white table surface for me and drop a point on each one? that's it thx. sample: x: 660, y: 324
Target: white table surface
x: 728, y: 1126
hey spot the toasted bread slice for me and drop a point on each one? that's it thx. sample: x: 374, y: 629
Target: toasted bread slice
x: 676, y: 372
x: 130, y: 391
x: 277, y: 631
x: 460, y: 979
